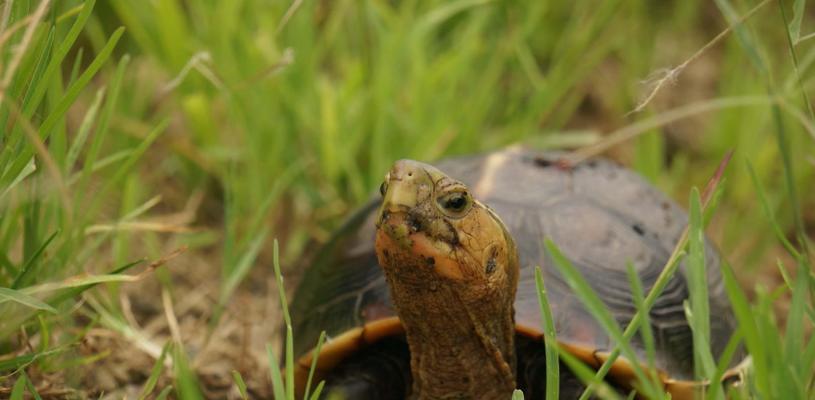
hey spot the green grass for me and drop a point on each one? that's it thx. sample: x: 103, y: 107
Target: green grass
x: 281, y: 117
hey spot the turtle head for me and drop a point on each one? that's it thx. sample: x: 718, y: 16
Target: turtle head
x: 430, y: 221
x: 452, y: 271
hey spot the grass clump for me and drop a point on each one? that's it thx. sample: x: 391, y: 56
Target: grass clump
x: 132, y: 129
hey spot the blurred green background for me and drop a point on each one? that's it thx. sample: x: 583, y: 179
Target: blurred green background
x: 217, y: 126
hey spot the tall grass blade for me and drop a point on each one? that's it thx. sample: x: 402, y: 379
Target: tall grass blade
x: 765, y: 205
x: 313, y: 366
x: 28, y: 268
x: 789, y: 179
x: 550, y: 339
x: 697, y: 286
x: 155, y: 373
x: 599, y: 311
x: 84, y: 131
x: 164, y: 393
x: 797, y: 17
x: 588, y: 376
x: 239, y: 272
x: 75, y: 291
x: 18, y: 390
x: 236, y: 376
x: 284, y: 304
x: 121, y: 173
x: 714, y: 390
x: 278, y: 389
x: 58, y: 113
x: 24, y: 360
x: 318, y: 391
x: 664, y: 277
x: 638, y: 293
x: 31, y: 389
x: 187, y: 386
x: 748, y: 328
x: 7, y: 294
x: 793, y: 35
x: 796, y: 316
x: 90, y: 161
x: 55, y: 61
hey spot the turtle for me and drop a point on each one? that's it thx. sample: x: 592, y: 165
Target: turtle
x: 428, y: 291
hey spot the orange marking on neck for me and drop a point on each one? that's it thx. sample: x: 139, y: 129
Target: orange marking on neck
x: 443, y: 264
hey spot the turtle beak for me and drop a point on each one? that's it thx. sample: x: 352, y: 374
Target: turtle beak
x: 407, y: 185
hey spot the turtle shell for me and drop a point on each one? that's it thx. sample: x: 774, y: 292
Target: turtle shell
x: 601, y: 215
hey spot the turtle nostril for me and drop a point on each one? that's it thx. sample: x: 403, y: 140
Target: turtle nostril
x: 414, y: 223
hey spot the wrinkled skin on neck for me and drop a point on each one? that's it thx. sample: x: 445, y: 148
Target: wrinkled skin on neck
x: 452, y: 270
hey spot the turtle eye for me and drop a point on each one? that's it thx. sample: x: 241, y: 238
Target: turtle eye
x: 454, y: 203
x: 383, y: 188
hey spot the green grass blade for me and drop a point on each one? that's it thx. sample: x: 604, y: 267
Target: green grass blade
x: 241, y: 385
x: 84, y: 131
x: 599, y: 311
x: 45, y: 332
x: 79, y: 282
x: 748, y: 327
x: 155, y: 373
x: 797, y: 17
x: 808, y: 359
x: 76, y: 88
x: 517, y: 395
x: 36, y: 76
x: 185, y: 379
x: 128, y: 165
x: 768, y: 211
x: 284, y: 304
x: 24, y: 173
x: 313, y: 366
x: 713, y: 204
x: 31, y: 389
x: 662, y: 280
x: 448, y: 10
x: 21, y: 361
x: 164, y: 393
x: 17, y: 362
x: 104, y: 119
x: 789, y: 179
x: 743, y: 35
x: 287, y: 318
x: 31, y: 263
x: 7, y: 294
x: 289, y: 362
x: 588, y: 376
x: 318, y: 391
x: 550, y: 339
x: 75, y: 291
x: 55, y: 61
x: 18, y: 390
x: 237, y: 274
x: 277, y: 380
x: 796, y: 316
x: 793, y: 34
x: 714, y: 390
x: 638, y: 293
x: 58, y: 113
x: 698, y: 292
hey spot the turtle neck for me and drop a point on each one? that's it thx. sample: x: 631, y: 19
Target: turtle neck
x: 460, y: 348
